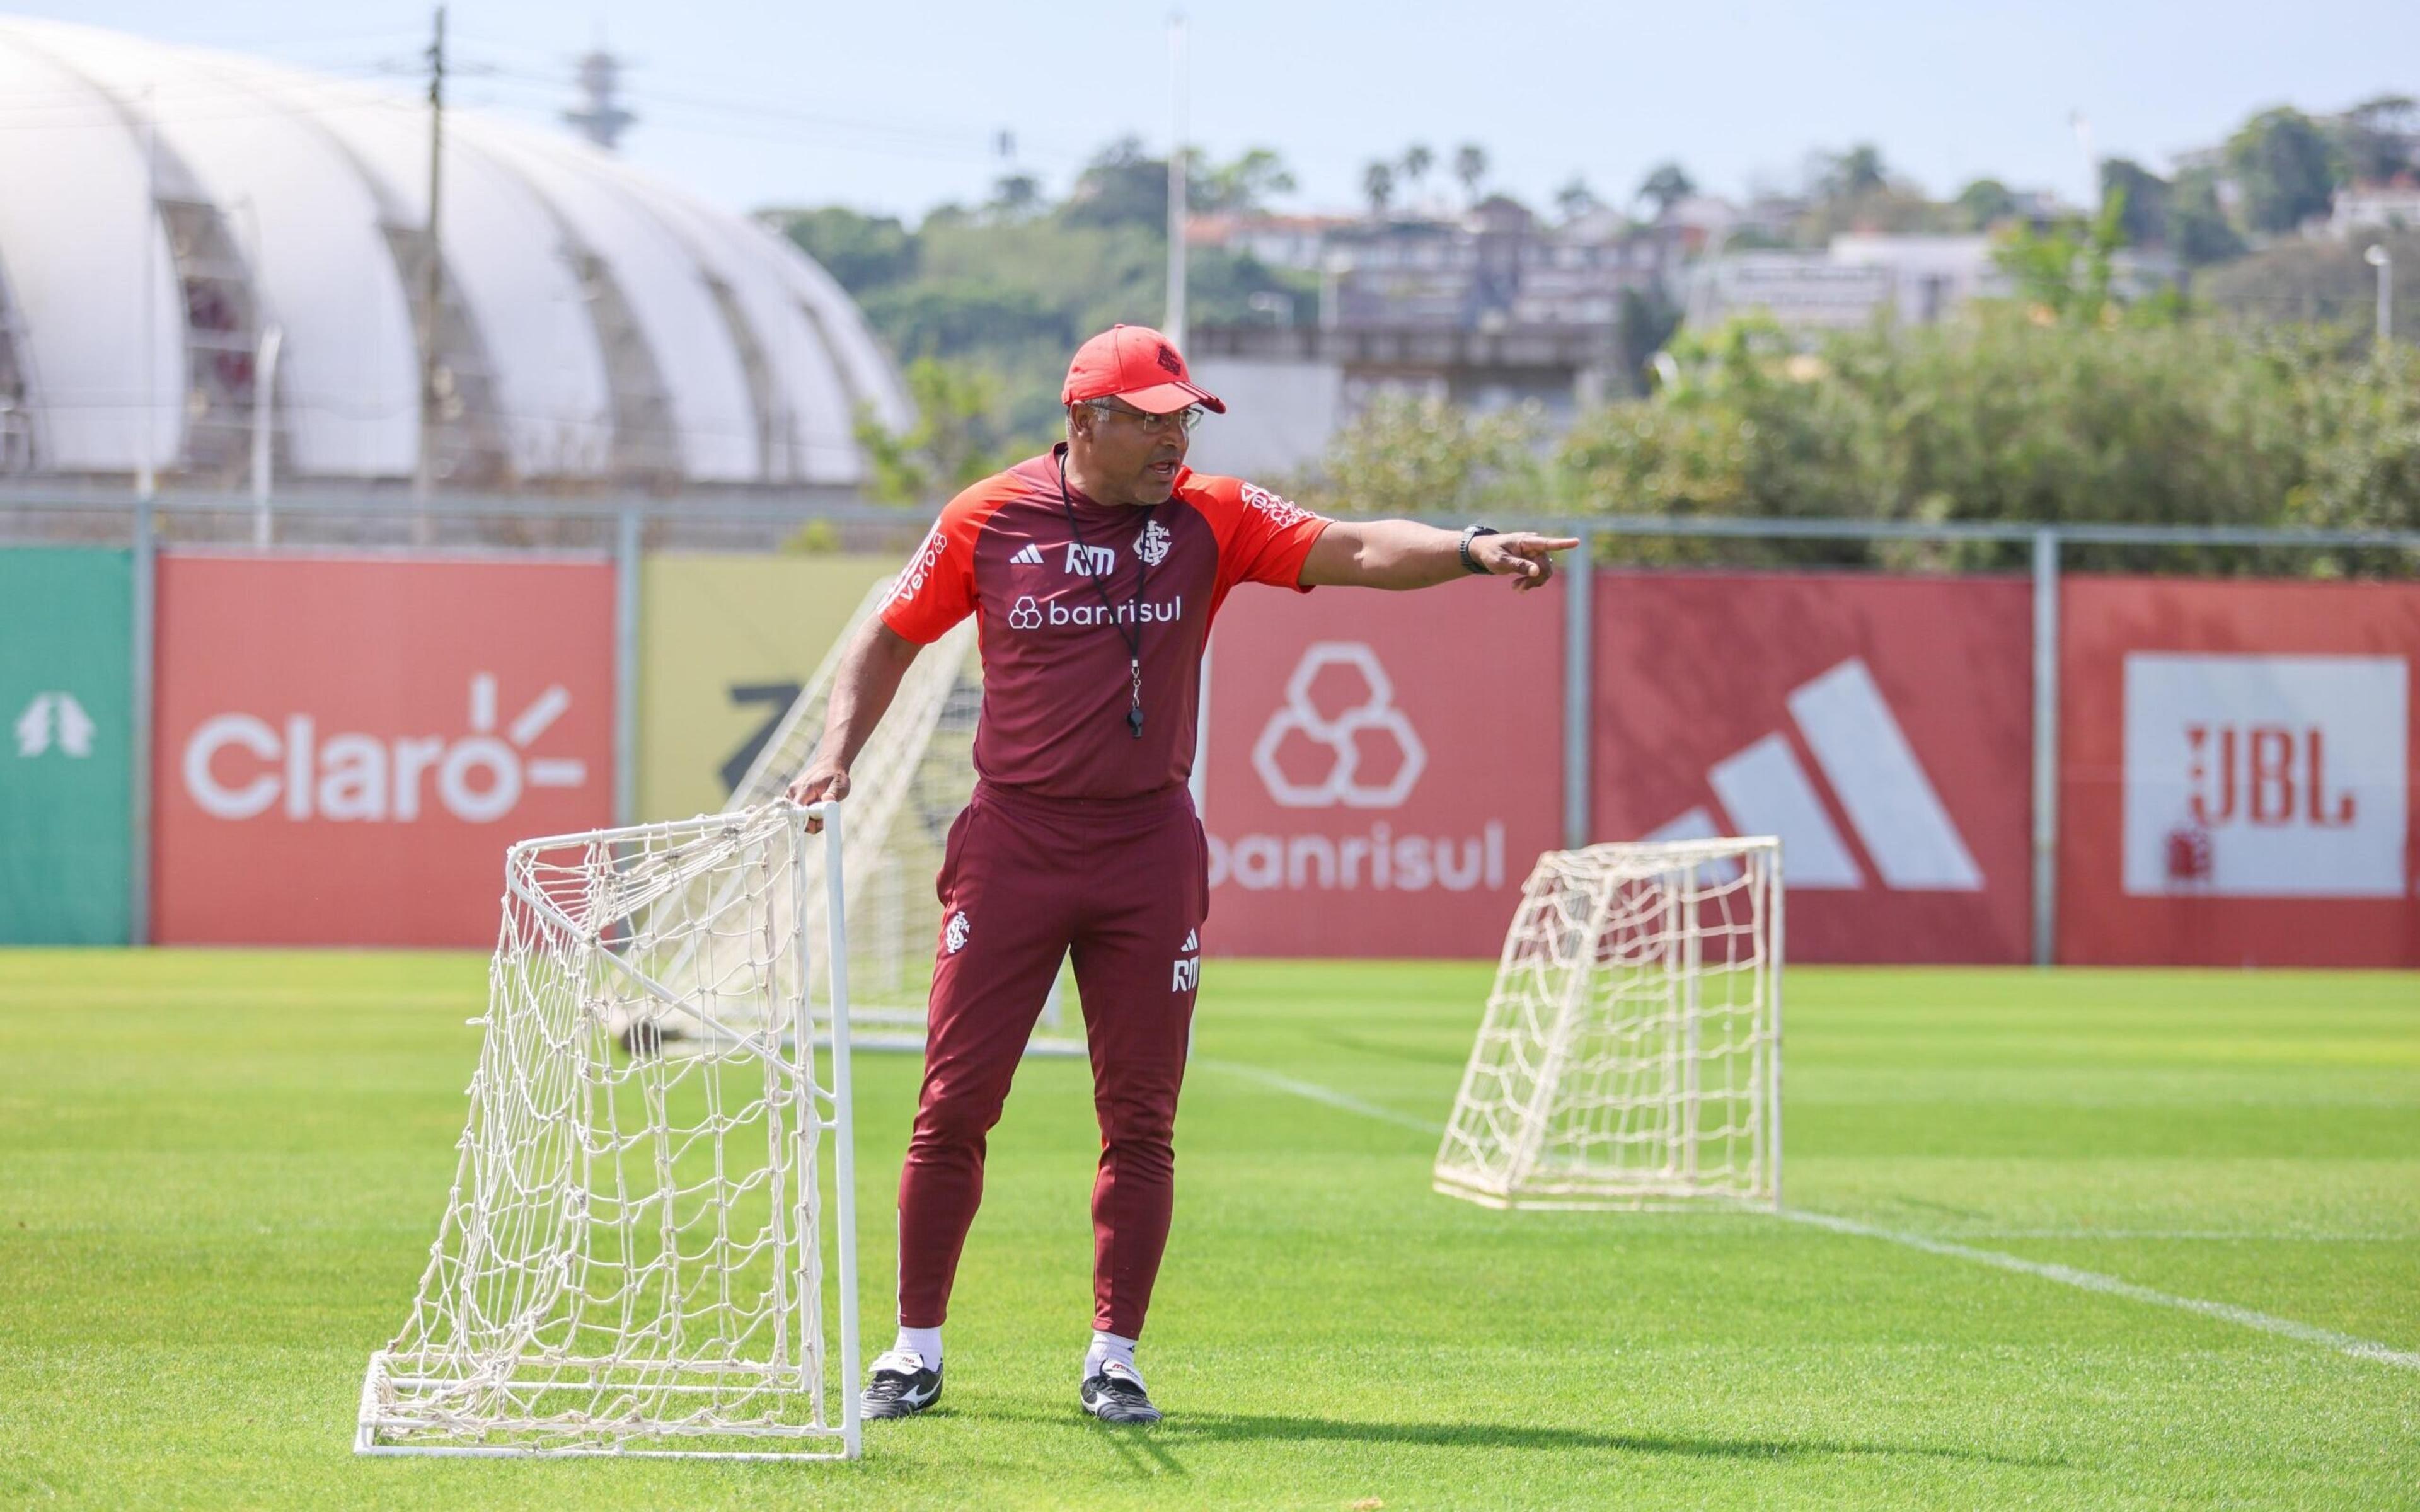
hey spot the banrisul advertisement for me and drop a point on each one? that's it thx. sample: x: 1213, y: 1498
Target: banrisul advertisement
x: 66, y: 726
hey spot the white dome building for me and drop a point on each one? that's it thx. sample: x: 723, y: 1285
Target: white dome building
x: 596, y: 327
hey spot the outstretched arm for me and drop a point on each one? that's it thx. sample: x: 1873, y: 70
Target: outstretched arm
x: 1401, y: 553
x: 863, y: 685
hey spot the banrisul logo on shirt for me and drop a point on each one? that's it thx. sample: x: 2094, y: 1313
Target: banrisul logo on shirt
x: 1031, y: 613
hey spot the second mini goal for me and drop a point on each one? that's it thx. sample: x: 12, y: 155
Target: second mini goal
x: 1631, y: 1052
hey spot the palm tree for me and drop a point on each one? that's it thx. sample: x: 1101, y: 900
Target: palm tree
x: 1378, y: 182
x: 1470, y: 167
x: 1667, y: 185
x: 1575, y: 199
x: 1418, y: 161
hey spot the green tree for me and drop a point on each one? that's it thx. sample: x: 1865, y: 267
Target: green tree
x: 2144, y: 218
x: 1666, y: 185
x: 2003, y: 418
x: 2285, y: 166
x: 1418, y: 161
x: 1849, y: 175
x: 1242, y: 187
x: 1574, y: 199
x: 2198, y: 230
x: 960, y: 436
x: 1470, y: 169
x: 1985, y: 202
x: 2379, y: 138
x: 1405, y: 454
x: 1122, y: 185
x: 1378, y: 187
x: 862, y: 252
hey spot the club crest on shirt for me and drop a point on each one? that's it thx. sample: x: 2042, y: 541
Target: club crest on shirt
x: 1152, y: 545
x: 954, y: 937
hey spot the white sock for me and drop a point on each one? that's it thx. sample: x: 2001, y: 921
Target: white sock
x: 1106, y: 1348
x: 925, y: 1342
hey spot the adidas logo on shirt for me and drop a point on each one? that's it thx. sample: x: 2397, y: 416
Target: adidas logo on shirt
x: 1030, y: 557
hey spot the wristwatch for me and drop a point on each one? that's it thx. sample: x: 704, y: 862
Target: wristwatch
x: 1471, y: 534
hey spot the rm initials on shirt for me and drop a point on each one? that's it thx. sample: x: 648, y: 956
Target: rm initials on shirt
x: 1090, y: 560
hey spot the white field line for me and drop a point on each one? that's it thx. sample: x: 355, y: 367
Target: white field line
x: 2248, y: 1236
x: 1317, y: 1093
x: 2110, y: 1286
x: 2360, y: 1348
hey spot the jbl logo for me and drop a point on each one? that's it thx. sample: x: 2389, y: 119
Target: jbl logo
x: 2264, y: 773
x: 2266, y: 777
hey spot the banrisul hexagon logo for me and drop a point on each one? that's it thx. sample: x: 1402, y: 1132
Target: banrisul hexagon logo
x: 1338, y: 739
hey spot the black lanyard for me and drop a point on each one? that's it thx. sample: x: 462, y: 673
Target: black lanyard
x: 1133, y: 637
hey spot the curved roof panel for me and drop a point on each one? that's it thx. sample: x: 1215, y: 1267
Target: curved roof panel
x: 595, y: 296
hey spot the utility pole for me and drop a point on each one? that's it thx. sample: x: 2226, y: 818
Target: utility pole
x: 424, y: 472
x: 1174, y: 322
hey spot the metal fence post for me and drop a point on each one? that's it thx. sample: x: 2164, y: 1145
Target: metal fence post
x: 626, y: 666
x: 1579, y: 689
x: 2045, y: 877
x: 138, y: 830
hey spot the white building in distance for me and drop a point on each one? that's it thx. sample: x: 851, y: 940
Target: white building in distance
x: 163, y: 209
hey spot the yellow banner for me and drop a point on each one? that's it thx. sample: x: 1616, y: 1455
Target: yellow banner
x: 725, y: 642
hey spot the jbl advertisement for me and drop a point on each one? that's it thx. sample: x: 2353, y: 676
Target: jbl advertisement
x: 2237, y: 773
x: 1383, y: 768
x: 345, y: 747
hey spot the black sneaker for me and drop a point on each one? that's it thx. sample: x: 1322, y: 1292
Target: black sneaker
x: 1116, y: 1396
x: 900, y: 1386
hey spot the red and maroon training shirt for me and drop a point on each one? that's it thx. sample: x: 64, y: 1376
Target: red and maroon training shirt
x: 1052, y: 604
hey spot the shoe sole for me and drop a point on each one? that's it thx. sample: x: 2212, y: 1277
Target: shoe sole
x: 871, y: 1412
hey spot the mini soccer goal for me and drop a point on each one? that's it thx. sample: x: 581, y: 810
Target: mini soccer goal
x: 1631, y: 1053
x: 908, y: 785
x: 637, y: 1254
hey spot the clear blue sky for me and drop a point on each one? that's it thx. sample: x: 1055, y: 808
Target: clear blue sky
x: 893, y: 106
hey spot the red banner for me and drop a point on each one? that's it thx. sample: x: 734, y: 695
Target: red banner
x: 2237, y: 777
x: 344, y: 747
x: 1383, y: 768
x: 1880, y: 726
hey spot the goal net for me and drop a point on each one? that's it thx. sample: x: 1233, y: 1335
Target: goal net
x: 633, y: 1258
x: 906, y: 788
x: 1631, y: 1053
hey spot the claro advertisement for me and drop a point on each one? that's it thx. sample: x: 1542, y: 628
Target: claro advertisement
x: 345, y: 747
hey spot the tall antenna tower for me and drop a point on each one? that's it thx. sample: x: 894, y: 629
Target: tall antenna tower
x: 599, y: 115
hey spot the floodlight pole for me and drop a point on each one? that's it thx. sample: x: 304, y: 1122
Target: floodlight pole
x: 264, y: 403
x: 1173, y: 323
x: 146, y: 469
x: 2384, y: 260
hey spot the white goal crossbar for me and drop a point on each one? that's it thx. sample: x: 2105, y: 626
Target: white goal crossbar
x: 632, y: 1260
x: 1631, y: 1052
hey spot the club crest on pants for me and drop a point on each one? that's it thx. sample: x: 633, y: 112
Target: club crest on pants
x: 954, y: 937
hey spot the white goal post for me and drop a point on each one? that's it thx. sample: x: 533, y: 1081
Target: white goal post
x: 1631, y: 1052
x: 649, y: 1248
x: 908, y: 785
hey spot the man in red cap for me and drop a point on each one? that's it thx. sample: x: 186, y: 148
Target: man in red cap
x: 1095, y: 572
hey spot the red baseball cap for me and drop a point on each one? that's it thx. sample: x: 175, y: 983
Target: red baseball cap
x: 1139, y: 365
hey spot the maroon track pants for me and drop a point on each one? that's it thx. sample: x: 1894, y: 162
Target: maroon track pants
x: 1124, y: 884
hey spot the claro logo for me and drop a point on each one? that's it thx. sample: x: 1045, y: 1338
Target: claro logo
x: 237, y: 766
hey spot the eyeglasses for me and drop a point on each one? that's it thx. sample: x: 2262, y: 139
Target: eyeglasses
x: 1151, y: 424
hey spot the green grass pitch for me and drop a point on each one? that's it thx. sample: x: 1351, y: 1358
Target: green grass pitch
x: 220, y: 1173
